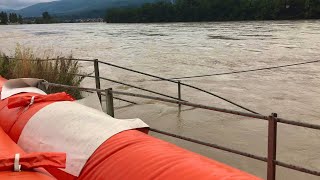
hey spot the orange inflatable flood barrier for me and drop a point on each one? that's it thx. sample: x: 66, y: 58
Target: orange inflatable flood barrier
x: 130, y: 154
x: 9, y: 151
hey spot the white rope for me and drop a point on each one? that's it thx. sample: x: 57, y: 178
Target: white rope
x: 32, y: 100
x: 31, y: 103
x: 17, y: 166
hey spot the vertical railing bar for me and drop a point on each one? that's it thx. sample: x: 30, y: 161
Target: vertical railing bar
x: 179, y: 94
x: 97, y: 76
x: 272, y: 147
x: 109, y: 102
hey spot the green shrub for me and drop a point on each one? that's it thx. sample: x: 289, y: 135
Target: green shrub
x: 25, y: 64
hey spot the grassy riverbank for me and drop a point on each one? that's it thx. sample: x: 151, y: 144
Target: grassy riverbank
x: 25, y: 64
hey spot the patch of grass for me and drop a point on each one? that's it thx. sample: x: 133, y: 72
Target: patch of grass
x: 25, y: 64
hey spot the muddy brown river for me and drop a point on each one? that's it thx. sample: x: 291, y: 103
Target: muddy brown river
x: 187, y: 49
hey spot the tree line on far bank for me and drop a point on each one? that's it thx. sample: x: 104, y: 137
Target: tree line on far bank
x: 6, y: 18
x: 216, y: 10
x: 13, y: 18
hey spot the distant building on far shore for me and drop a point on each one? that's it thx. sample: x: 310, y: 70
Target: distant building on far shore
x: 83, y: 20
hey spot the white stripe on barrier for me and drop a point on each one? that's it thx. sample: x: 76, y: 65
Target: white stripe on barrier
x: 74, y: 129
x: 16, y: 86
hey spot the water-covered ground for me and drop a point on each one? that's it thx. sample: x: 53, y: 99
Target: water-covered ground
x: 186, y: 49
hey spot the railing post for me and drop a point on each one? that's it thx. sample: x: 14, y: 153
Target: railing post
x: 97, y: 76
x: 272, y: 147
x: 109, y: 102
x: 179, y: 93
x: 42, y: 87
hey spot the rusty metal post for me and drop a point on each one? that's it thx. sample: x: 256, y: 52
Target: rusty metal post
x: 109, y: 102
x: 179, y: 93
x: 41, y: 86
x: 272, y: 147
x: 97, y: 76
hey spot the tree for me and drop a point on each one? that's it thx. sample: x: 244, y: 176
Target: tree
x: 45, y: 19
x: 20, y: 19
x: 13, y: 18
x: 46, y: 16
x: 3, y: 18
x: 10, y: 17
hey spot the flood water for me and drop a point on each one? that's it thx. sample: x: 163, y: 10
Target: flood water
x: 187, y: 49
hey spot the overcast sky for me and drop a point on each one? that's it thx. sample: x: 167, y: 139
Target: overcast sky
x: 18, y: 4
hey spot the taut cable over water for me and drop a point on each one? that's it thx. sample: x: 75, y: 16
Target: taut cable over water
x: 244, y: 71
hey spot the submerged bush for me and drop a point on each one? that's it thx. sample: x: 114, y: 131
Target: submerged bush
x: 25, y: 64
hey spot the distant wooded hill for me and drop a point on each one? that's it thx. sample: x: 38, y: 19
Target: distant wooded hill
x: 78, y: 8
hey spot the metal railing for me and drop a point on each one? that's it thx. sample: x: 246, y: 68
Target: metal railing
x: 97, y: 78
x: 179, y: 83
x: 272, y: 119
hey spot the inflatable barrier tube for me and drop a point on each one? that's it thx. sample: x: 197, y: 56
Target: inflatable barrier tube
x: 7, y: 149
x: 25, y: 175
x: 131, y: 154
